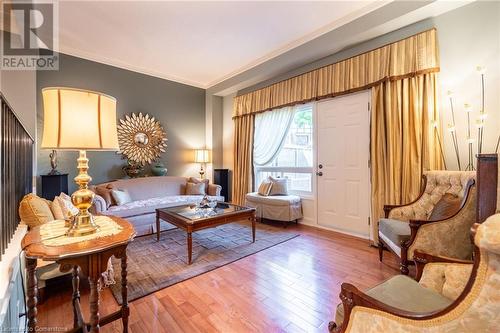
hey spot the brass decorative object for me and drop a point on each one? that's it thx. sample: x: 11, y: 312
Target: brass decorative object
x: 141, y: 138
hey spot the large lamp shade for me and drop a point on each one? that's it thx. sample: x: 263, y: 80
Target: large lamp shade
x: 77, y: 119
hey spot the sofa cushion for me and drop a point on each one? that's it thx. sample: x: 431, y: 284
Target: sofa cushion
x: 395, y: 230
x: 66, y: 205
x: 104, y: 191
x: 404, y: 293
x: 149, y: 206
x: 121, y: 196
x: 195, y: 188
x: 281, y: 200
x: 150, y: 187
x: 199, y: 180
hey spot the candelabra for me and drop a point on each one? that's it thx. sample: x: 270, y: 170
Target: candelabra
x: 480, y: 122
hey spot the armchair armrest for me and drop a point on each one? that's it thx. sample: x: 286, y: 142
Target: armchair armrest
x: 388, y: 208
x: 421, y: 259
x: 98, y: 205
x: 214, y: 190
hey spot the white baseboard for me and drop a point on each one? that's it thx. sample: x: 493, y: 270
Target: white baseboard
x: 312, y: 223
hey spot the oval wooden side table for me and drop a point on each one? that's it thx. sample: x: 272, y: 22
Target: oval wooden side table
x: 86, y: 258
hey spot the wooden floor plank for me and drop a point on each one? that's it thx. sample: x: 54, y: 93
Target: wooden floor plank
x: 291, y: 287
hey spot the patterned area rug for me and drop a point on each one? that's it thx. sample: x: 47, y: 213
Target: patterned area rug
x: 156, y: 265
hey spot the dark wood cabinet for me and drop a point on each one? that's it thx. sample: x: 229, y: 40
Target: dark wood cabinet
x: 221, y: 177
x: 53, y: 185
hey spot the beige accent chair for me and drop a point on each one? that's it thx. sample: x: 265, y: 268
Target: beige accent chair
x: 451, y: 296
x: 408, y: 227
x: 284, y: 208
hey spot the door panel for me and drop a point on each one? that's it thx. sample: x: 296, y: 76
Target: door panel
x: 343, y: 151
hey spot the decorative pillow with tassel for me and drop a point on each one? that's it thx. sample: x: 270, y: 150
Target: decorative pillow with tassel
x: 35, y: 211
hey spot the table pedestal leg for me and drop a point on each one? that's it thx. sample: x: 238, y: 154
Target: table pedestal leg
x: 190, y: 246
x: 94, y: 304
x: 32, y: 294
x: 125, y: 309
x: 157, y: 227
x: 76, y: 294
x: 253, y: 228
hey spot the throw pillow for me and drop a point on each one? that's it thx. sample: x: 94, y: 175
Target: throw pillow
x: 199, y: 180
x: 195, y: 189
x: 121, y: 196
x: 446, y: 207
x: 57, y: 210
x: 34, y: 210
x: 265, y: 187
x: 105, y: 193
x: 67, y: 207
x: 279, y: 186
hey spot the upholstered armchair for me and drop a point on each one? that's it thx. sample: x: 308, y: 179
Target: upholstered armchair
x: 437, y: 222
x: 450, y: 296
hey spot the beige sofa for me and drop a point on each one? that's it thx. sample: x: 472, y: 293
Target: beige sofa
x: 148, y: 194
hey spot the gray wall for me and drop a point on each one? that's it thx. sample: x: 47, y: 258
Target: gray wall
x: 179, y: 108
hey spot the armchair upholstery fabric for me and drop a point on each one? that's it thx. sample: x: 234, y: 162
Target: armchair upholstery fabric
x: 445, y: 278
x: 476, y: 310
x: 405, y: 293
x: 438, y: 183
x: 449, y: 237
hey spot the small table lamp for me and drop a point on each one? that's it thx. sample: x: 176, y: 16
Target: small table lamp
x: 201, y: 156
x: 76, y: 119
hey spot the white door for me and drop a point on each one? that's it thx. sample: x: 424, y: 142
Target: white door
x: 343, y: 175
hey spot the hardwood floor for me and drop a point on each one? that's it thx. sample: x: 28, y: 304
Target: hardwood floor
x: 291, y: 287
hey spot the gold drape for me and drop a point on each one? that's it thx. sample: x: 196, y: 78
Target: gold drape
x: 412, y: 56
x: 403, y: 142
x: 243, y: 164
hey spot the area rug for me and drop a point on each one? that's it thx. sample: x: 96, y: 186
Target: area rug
x: 156, y: 265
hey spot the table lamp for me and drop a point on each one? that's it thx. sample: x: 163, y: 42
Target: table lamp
x: 201, y: 156
x: 81, y: 120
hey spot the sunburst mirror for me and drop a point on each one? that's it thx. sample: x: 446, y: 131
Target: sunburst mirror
x: 142, y: 138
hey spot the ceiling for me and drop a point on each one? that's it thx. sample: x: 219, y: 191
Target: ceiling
x: 197, y: 43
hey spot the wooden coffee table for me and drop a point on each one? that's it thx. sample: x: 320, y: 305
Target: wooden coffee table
x: 187, y: 218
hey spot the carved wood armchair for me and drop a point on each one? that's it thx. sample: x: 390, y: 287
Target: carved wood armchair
x: 473, y: 290
x: 416, y: 225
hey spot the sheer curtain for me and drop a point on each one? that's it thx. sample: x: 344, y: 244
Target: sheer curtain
x: 271, y: 129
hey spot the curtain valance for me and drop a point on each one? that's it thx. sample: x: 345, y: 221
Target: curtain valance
x: 412, y: 56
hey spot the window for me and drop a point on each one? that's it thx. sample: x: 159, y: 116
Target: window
x: 295, y: 158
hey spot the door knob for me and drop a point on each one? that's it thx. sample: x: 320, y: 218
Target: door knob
x: 320, y: 166
x: 319, y: 173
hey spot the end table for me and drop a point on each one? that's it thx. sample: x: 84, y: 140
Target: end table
x: 88, y: 258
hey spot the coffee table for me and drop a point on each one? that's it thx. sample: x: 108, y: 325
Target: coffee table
x: 189, y: 219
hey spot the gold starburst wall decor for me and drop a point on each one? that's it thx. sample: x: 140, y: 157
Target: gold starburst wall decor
x: 141, y: 138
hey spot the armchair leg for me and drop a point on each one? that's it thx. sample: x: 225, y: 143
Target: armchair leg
x: 404, y: 267
x: 380, y: 251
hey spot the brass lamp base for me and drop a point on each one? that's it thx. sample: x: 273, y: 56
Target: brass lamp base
x: 202, y: 172
x: 82, y: 223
